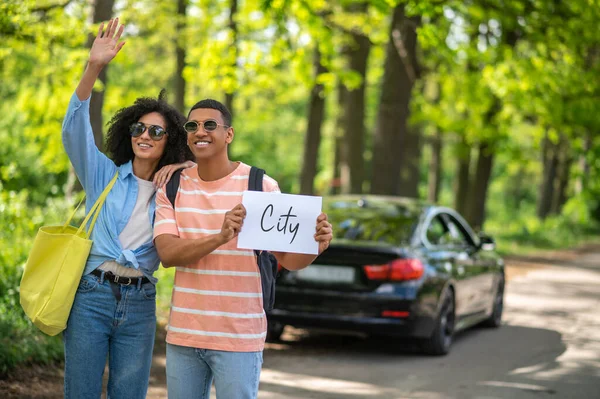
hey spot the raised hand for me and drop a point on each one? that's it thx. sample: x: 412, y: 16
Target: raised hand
x: 106, y: 44
x: 324, y: 233
x: 234, y: 219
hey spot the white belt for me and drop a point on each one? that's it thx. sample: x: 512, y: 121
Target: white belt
x: 120, y: 270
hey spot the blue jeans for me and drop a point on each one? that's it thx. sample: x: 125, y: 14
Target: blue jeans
x: 100, y: 327
x: 190, y: 372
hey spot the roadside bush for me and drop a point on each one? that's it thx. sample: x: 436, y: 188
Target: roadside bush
x: 523, y: 231
x: 20, y: 341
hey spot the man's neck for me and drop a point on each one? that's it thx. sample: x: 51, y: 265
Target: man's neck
x: 216, y: 168
x: 143, y: 168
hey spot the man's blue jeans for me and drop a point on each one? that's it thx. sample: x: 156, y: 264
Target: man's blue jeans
x: 100, y: 327
x: 190, y: 372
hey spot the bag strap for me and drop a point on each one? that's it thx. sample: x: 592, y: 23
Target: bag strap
x: 173, y: 186
x: 96, y: 208
x: 255, y: 181
x: 68, y: 222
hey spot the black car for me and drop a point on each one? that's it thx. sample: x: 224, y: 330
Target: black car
x: 396, y: 267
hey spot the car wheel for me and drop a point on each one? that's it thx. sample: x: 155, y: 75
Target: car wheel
x: 495, y: 319
x: 440, y: 341
x: 274, y: 331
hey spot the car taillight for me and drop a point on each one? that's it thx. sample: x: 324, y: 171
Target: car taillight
x: 395, y: 313
x: 396, y: 270
x: 406, y: 269
x: 377, y: 272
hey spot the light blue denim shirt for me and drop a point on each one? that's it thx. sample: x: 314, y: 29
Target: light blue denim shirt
x: 95, y: 170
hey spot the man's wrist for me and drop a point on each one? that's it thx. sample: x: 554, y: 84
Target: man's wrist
x: 221, y: 240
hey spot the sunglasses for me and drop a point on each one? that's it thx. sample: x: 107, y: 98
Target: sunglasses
x: 155, y: 132
x: 209, y: 125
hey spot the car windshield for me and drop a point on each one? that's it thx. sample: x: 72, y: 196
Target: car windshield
x: 373, y: 220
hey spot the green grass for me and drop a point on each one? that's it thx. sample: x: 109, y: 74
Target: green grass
x: 507, y: 245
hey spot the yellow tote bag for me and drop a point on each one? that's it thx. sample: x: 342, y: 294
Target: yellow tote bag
x: 54, y: 268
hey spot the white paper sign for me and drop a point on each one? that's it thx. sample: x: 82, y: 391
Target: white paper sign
x: 280, y: 222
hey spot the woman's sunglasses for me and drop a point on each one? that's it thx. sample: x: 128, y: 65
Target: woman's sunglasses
x: 156, y: 133
x: 209, y: 125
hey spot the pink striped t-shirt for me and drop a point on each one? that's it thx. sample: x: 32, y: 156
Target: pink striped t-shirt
x: 217, y: 301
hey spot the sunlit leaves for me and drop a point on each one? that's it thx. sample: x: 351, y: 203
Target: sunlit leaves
x: 548, y: 79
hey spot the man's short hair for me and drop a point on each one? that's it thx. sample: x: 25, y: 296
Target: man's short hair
x: 213, y: 104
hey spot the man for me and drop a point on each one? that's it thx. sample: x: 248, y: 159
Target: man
x: 217, y: 326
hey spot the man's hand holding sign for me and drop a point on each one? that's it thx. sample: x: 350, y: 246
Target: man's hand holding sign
x: 232, y: 224
x: 324, y: 233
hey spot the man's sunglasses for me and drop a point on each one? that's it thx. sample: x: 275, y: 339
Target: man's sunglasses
x: 155, y: 132
x: 209, y: 125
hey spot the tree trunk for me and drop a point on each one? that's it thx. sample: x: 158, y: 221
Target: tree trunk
x: 464, y: 172
x: 550, y: 164
x: 354, y: 116
x: 411, y: 162
x: 339, y: 154
x: 478, y: 192
x: 435, y: 169
x: 478, y: 197
x: 587, y: 147
x: 405, y: 42
x: 584, y: 165
x: 229, y: 96
x: 180, y: 55
x: 563, y: 184
x: 514, y: 193
x: 395, y: 152
x: 316, y: 112
x: 562, y: 180
x: 102, y: 11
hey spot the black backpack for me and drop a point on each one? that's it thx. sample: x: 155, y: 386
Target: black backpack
x: 267, y: 264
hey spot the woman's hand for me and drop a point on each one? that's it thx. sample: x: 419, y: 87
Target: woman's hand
x: 106, y: 44
x: 163, y: 176
x: 105, y: 47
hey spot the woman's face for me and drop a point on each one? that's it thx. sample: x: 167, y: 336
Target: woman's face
x: 144, y: 147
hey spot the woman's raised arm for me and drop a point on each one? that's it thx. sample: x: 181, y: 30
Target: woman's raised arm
x: 92, y: 167
x: 105, y: 47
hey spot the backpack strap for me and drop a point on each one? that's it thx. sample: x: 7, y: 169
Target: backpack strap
x: 255, y: 181
x: 173, y: 186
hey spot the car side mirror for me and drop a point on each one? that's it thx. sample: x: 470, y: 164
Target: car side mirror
x: 486, y: 243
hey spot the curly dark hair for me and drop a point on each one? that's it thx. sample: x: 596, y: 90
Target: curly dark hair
x: 118, y: 138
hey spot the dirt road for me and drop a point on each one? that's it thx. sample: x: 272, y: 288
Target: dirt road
x: 549, y: 347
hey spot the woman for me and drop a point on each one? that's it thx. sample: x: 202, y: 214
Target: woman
x: 113, y: 314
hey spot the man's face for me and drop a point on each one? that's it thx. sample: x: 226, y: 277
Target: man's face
x: 208, y: 144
